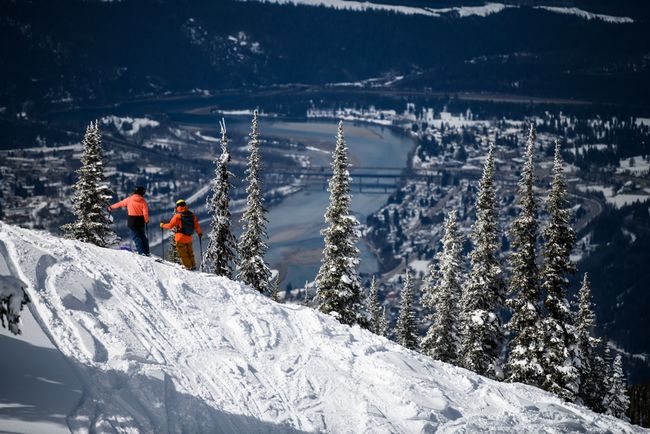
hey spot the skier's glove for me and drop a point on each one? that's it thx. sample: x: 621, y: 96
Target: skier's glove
x: 109, y: 209
x: 161, y: 224
x: 200, y: 235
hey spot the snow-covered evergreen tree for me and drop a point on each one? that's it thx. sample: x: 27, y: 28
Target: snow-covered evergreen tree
x: 275, y: 290
x: 384, y: 323
x: 253, y: 270
x: 483, y: 296
x: 406, y: 331
x: 171, y: 254
x: 374, y: 306
x: 590, y: 381
x: 442, y: 293
x: 221, y: 253
x: 525, y: 356
x: 91, y: 195
x: 616, y: 400
x: 338, y: 290
x: 561, y: 375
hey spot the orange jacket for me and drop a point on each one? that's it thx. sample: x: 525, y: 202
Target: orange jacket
x: 175, y: 223
x: 135, y: 205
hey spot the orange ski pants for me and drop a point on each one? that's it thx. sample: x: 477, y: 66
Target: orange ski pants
x: 186, y: 252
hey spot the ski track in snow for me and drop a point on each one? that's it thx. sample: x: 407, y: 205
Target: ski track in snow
x: 161, y: 349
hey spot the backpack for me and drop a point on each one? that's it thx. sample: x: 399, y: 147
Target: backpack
x: 187, y: 223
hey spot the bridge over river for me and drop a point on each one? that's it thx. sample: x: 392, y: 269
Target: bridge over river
x: 371, y: 180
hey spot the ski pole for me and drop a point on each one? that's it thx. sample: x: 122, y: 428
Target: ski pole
x: 201, y: 251
x: 162, y: 243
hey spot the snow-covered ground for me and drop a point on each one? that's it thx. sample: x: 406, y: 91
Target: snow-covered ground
x: 618, y: 200
x: 160, y: 349
x: 637, y: 165
x: 129, y: 126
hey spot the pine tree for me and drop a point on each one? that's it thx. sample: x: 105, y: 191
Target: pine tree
x: 375, y: 308
x: 442, y: 293
x: 338, y: 291
x: 221, y: 253
x: 603, y: 369
x: 91, y: 195
x: 275, y: 290
x: 483, y: 298
x: 384, y: 323
x: 253, y: 270
x: 559, y: 362
x: 590, y: 382
x: 406, y: 332
x: 525, y: 356
x: 171, y: 254
x: 616, y: 401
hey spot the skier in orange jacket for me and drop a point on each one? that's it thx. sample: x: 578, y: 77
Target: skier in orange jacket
x: 138, y: 217
x: 185, y: 223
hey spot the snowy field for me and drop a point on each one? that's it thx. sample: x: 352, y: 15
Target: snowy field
x: 160, y: 349
x: 637, y: 165
x: 617, y: 200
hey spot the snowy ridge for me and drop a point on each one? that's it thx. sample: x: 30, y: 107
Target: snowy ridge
x: 488, y: 8
x: 587, y: 15
x: 464, y: 11
x: 160, y: 349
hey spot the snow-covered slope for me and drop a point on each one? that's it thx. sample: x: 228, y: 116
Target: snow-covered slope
x: 160, y: 349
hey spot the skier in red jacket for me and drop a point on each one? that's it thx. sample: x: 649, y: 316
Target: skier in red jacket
x: 138, y: 217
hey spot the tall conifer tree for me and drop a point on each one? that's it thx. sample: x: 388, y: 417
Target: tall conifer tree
x: 590, y: 382
x: 91, y: 195
x: 559, y: 362
x: 525, y: 357
x: 442, y: 294
x: 374, y: 306
x: 406, y: 332
x: 616, y: 400
x: 221, y: 253
x: 253, y: 270
x: 483, y: 298
x: 171, y: 254
x: 384, y: 323
x: 338, y: 291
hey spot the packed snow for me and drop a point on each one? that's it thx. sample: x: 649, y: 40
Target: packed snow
x: 160, y: 349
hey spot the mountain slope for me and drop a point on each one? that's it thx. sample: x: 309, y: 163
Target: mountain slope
x: 68, y: 53
x: 160, y: 349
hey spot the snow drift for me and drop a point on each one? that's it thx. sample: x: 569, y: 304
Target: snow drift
x: 160, y: 349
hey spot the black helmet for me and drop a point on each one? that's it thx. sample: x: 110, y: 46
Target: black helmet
x: 139, y: 190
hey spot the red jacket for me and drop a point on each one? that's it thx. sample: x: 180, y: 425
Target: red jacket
x: 175, y: 223
x: 136, y: 208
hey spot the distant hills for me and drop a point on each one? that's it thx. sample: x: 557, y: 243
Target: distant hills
x: 60, y: 53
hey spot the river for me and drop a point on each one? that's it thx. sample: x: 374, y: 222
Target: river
x: 295, y: 242
x: 294, y: 224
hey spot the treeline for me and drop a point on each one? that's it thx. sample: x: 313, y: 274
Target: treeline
x: 548, y: 343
